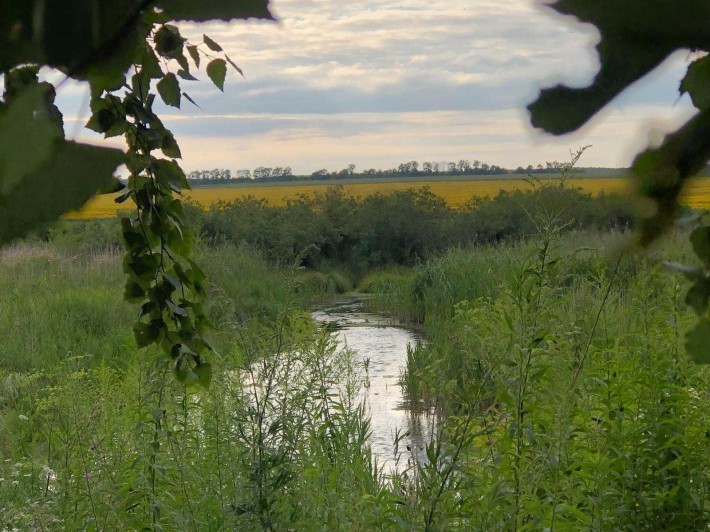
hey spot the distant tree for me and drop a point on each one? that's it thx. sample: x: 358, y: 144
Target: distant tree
x: 261, y: 172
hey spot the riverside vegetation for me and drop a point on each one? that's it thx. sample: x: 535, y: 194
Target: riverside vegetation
x: 554, y: 361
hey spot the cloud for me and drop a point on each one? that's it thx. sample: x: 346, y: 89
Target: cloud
x: 377, y: 82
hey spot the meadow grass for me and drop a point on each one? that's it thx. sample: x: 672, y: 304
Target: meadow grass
x: 555, y: 364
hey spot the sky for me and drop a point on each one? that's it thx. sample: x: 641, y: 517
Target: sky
x: 379, y: 82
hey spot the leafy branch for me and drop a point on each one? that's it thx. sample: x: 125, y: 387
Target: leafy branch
x: 43, y: 176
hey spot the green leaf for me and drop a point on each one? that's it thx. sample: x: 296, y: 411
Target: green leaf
x: 147, y: 333
x: 215, y: 9
x: 235, y: 66
x: 697, y: 342
x: 697, y: 83
x: 27, y: 137
x: 170, y: 147
x: 217, y: 72
x: 64, y: 182
x: 133, y: 292
x: 114, y: 185
x: 179, y: 311
x: 204, y: 374
x: 184, y: 74
x: 700, y: 238
x: 168, y: 41
x: 697, y: 296
x: 19, y: 80
x: 662, y: 172
x: 102, y: 120
x: 181, y: 241
x: 169, y: 173
x: 195, y: 54
x: 211, y: 44
x: 169, y: 90
x: 189, y: 99
x: 182, y: 368
x: 150, y: 65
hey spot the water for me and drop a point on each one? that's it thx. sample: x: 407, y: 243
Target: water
x: 382, y: 345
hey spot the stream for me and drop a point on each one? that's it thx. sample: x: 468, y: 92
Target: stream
x: 382, y: 345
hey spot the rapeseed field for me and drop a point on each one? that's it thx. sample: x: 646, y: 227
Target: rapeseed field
x: 456, y: 192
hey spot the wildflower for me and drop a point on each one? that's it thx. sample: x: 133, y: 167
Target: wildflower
x: 88, y: 474
x: 23, y: 417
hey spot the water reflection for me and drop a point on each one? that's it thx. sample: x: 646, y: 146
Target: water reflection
x: 382, y: 345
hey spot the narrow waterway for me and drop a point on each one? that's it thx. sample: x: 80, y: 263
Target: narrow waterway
x: 382, y: 346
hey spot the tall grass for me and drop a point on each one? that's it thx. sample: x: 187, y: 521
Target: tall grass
x: 97, y: 435
x: 565, y: 392
x: 556, y: 368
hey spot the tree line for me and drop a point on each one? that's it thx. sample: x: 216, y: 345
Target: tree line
x: 408, y: 169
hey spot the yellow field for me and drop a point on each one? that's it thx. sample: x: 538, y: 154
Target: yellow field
x: 456, y: 193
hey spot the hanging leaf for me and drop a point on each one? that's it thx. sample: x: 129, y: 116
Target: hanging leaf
x: 211, y: 44
x: 169, y: 90
x: 217, y: 72
x: 184, y: 74
x: 204, y: 374
x: 168, y: 41
x: 236, y: 67
x: 697, y: 296
x: 697, y: 342
x: 189, y: 99
x: 169, y: 173
x: 170, y: 147
x: 195, y: 54
x: 700, y: 238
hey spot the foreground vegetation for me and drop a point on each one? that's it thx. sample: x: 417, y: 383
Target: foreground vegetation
x: 554, y: 362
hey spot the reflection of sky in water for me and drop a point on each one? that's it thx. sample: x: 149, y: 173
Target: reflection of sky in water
x: 384, y: 350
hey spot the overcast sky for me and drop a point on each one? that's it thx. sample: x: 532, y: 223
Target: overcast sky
x: 379, y: 82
